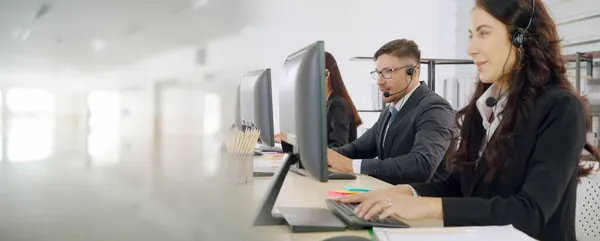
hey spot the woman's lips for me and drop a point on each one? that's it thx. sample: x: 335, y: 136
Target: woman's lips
x: 480, y: 64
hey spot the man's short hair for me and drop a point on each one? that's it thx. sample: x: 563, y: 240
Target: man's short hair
x: 400, y: 48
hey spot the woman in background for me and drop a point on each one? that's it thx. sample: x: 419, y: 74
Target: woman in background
x: 522, y: 135
x: 342, y: 116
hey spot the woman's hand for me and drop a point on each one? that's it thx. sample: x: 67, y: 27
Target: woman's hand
x: 398, y: 201
x: 390, y: 191
x: 278, y: 138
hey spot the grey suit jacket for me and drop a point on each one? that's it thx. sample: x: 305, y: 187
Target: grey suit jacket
x: 416, y: 143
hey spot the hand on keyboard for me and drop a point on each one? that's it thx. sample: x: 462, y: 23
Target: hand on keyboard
x: 346, y: 212
x: 397, y: 201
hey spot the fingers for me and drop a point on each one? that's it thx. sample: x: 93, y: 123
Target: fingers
x: 365, y: 206
x: 379, y: 206
x: 354, y: 198
x: 386, y: 213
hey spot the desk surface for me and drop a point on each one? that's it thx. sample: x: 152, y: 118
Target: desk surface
x: 300, y: 191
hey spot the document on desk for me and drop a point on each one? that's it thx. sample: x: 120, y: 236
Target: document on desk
x: 268, y: 162
x: 488, y: 233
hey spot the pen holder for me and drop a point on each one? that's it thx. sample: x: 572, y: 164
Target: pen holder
x: 240, y: 168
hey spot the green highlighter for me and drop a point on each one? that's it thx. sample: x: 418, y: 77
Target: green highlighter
x: 356, y: 189
x: 372, y: 235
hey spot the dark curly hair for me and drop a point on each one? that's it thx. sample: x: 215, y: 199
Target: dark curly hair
x: 541, y: 65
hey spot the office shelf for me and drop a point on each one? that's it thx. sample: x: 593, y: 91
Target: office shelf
x: 431, y: 64
x: 578, y: 58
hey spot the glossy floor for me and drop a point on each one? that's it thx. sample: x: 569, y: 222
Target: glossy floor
x: 171, y: 190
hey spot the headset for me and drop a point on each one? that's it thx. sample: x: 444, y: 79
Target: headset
x: 517, y: 41
x: 410, y: 71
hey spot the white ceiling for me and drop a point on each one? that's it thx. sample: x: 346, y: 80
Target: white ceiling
x: 60, y: 41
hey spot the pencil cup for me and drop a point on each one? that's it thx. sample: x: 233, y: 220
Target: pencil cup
x: 240, y: 168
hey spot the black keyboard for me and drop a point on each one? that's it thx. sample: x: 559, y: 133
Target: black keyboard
x: 346, y: 212
x: 270, y: 149
x: 331, y: 175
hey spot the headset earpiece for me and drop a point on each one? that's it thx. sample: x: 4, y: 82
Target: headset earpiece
x: 519, y: 36
x: 518, y: 39
x: 410, y: 71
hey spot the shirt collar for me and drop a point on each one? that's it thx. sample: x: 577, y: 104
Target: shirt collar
x: 486, y: 111
x: 403, y: 100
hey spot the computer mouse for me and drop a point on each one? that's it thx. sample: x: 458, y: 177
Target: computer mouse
x: 341, y: 176
x: 347, y: 238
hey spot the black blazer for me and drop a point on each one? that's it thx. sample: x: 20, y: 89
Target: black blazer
x: 415, y: 145
x: 341, y: 128
x: 538, y: 193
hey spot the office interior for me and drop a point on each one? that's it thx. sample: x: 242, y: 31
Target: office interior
x: 113, y: 113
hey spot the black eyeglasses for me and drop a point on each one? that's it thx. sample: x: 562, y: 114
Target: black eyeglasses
x: 386, y: 73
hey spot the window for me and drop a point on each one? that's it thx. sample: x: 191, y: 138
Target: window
x: 105, y: 113
x: 212, y: 114
x: 30, y: 124
x: 211, y: 127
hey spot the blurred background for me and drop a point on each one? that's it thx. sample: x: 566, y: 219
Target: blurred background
x: 111, y: 100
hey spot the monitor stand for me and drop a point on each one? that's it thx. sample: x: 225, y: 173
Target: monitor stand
x: 264, y: 217
x: 299, y: 219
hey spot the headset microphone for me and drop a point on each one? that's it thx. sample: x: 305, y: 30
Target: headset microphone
x: 387, y: 94
x: 491, y: 101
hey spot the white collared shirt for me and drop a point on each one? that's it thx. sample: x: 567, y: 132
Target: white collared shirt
x: 485, y: 112
x: 356, y: 164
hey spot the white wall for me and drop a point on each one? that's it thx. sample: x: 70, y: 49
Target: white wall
x: 348, y: 27
x: 577, y: 22
x: 277, y: 28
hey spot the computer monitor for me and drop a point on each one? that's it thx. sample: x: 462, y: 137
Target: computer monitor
x: 302, y: 109
x: 255, y: 105
x: 303, y: 123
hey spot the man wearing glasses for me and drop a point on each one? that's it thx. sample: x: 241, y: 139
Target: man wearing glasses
x: 409, y: 141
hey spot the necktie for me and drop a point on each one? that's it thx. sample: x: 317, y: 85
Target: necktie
x: 393, y: 115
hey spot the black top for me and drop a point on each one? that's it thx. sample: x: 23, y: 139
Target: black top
x: 341, y: 128
x: 416, y: 142
x: 537, y: 194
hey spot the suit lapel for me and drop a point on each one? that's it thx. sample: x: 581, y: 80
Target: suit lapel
x: 480, y: 170
x: 409, y: 106
x: 386, y: 114
x: 478, y: 174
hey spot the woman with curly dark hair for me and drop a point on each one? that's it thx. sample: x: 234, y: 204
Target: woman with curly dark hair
x: 521, y: 136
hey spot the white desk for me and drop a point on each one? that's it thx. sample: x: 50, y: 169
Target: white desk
x: 300, y: 191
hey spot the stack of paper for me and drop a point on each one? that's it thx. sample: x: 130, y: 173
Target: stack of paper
x: 488, y: 233
x: 268, y: 162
